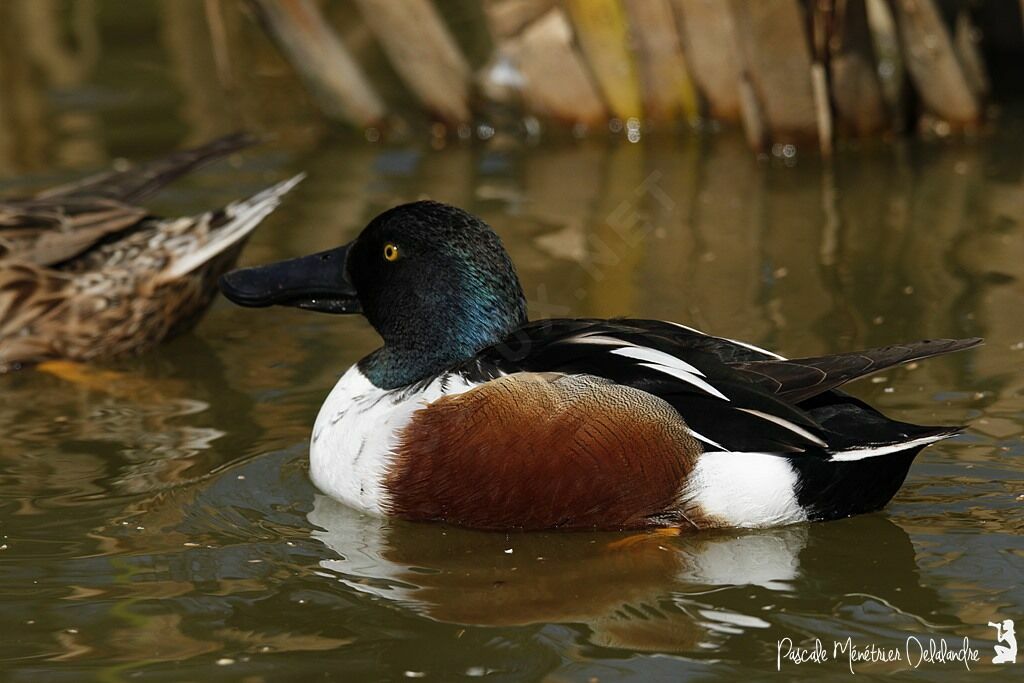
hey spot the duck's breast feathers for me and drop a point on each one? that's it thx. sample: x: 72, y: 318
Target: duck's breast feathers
x: 532, y: 450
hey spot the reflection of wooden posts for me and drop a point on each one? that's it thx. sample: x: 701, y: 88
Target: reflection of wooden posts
x: 323, y: 62
x: 728, y: 246
x: 617, y: 238
x: 37, y: 57
x: 183, y: 29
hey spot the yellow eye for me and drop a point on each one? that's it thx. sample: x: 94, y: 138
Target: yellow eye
x: 390, y: 252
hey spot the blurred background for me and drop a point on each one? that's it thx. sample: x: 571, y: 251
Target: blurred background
x: 81, y: 80
x: 811, y: 177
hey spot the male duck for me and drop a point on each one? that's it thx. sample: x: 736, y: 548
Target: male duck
x: 84, y: 272
x: 473, y: 415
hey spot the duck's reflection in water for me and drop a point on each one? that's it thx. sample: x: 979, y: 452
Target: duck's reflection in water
x: 649, y: 592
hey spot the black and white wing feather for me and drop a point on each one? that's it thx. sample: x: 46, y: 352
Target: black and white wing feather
x: 732, y: 396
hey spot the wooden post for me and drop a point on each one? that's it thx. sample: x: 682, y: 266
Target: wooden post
x: 856, y: 91
x: 423, y: 53
x: 965, y: 42
x: 603, y: 35
x: 708, y: 38
x: 668, y: 92
x: 892, y: 68
x: 219, y: 42
x: 751, y: 115
x: 508, y: 18
x: 776, y: 54
x: 332, y: 76
x: 933, y: 65
x: 822, y: 107
x: 536, y: 58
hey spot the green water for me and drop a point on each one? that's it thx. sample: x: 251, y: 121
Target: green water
x: 157, y: 521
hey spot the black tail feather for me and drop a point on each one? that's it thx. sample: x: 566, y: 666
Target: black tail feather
x: 799, y: 379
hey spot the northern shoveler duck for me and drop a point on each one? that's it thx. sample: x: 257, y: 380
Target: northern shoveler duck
x: 473, y: 415
x: 84, y: 272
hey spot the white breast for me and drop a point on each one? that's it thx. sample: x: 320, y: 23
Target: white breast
x: 357, y: 431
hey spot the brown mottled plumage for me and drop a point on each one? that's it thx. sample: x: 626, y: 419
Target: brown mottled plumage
x: 84, y: 273
x: 539, y: 451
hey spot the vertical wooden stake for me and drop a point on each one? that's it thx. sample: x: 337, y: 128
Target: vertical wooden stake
x: 933, y: 64
x: 219, y: 38
x: 424, y: 54
x: 602, y: 33
x: 536, y: 58
x: 708, y: 38
x: 822, y: 107
x: 772, y: 40
x: 753, y: 119
x: 667, y: 89
x: 324, y: 63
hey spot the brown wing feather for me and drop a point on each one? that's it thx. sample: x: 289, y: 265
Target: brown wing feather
x: 802, y: 378
x: 543, y: 451
x: 141, y: 180
x: 46, y: 233
x: 28, y: 296
x: 62, y: 222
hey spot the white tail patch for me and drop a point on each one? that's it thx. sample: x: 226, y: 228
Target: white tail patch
x: 743, y: 489
x: 244, y: 216
x: 874, y: 451
x: 786, y: 424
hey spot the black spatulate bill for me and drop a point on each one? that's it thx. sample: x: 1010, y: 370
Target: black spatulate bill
x: 317, y: 282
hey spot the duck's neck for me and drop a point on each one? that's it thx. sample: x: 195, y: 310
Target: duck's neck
x: 431, y: 350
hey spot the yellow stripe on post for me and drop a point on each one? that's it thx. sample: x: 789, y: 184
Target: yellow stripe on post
x: 603, y: 34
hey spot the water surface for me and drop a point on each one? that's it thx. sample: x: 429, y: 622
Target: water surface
x: 156, y: 517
